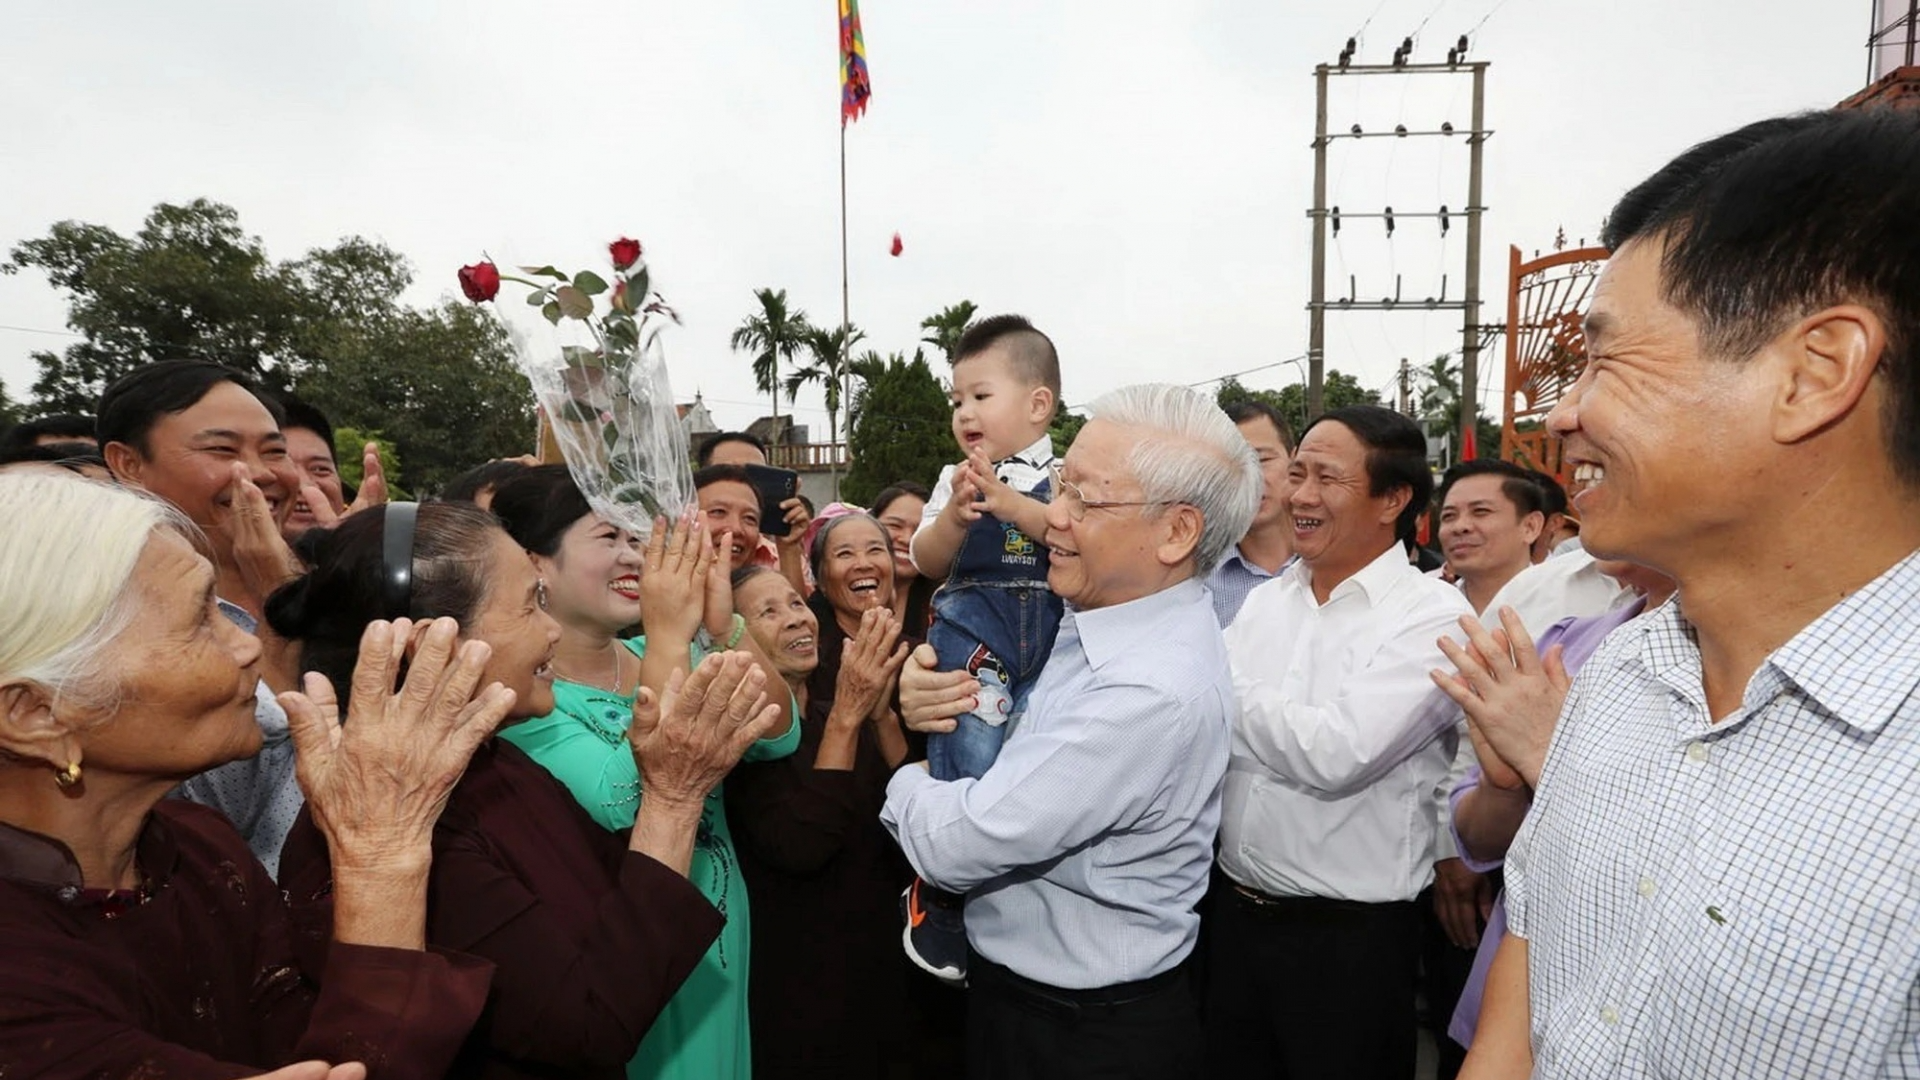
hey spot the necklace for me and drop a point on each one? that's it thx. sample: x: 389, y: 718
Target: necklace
x: 612, y: 688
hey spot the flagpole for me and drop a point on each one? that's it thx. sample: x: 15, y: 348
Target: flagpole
x: 833, y: 452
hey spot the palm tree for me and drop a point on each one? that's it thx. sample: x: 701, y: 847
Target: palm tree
x: 944, y: 329
x: 831, y: 352
x: 770, y: 335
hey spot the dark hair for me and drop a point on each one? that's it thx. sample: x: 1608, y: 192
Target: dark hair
x: 900, y: 490
x: 714, y: 441
x: 137, y: 400
x: 1030, y: 351
x: 1396, y: 457
x: 715, y: 474
x: 1783, y: 217
x: 302, y: 415
x: 328, y: 608
x: 1254, y: 409
x: 748, y: 573
x: 1516, y: 483
x: 59, y: 453
x: 28, y: 432
x: 538, y: 506
x: 1554, y: 495
x: 468, y: 485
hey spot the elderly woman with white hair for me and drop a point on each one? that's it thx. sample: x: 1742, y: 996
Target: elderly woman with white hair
x: 138, y: 935
x: 1085, y: 847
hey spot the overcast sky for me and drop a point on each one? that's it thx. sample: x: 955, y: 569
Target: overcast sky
x: 1131, y: 175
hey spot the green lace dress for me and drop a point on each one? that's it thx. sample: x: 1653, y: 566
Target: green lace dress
x: 703, y: 1034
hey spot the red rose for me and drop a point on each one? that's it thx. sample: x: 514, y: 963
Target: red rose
x: 481, y: 281
x: 897, y: 246
x: 625, y: 252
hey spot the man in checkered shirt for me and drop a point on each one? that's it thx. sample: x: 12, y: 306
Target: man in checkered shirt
x: 1720, y: 876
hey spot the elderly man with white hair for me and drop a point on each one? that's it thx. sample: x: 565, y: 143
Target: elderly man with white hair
x: 1084, y: 849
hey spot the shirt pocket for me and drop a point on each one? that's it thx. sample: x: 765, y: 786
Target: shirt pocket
x: 1766, y: 1001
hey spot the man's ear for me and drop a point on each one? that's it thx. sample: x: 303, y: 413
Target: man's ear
x: 1396, y: 501
x: 30, y: 729
x: 1184, y: 524
x: 1533, y: 526
x: 1830, y: 358
x: 125, y: 463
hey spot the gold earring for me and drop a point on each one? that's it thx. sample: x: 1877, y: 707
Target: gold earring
x: 68, y: 776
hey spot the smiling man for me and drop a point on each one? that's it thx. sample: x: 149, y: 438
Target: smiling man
x: 1491, y: 512
x: 1327, y: 831
x: 1719, y: 875
x: 1085, y: 846
x: 204, y: 438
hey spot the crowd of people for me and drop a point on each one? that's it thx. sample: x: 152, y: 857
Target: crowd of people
x: 1178, y: 753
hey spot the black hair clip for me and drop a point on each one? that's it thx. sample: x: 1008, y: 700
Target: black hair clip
x: 396, y: 558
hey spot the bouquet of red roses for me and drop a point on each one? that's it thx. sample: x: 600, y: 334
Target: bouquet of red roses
x: 605, y: 398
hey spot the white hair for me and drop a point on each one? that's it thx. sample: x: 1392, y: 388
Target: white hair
x: 68, y: 546
x: 1203, y: 460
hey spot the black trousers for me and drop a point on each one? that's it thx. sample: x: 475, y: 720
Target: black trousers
x: 1311, y: 989
x: 1018, y: 1029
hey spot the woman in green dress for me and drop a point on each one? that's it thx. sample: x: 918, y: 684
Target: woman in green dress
x: 597, y: 588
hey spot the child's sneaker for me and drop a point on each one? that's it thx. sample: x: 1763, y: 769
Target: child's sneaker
x: 936, y: 932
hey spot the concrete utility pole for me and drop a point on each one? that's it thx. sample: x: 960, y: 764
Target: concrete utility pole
x: 1406, y: 388
x: 1325, y: 216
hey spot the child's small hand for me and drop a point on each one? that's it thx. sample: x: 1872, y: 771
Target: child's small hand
x: 965, y: 504
x: 995, y: 496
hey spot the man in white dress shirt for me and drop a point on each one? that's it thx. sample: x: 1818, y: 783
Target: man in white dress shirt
x: 1327, y: 830
x: 1719, y: 875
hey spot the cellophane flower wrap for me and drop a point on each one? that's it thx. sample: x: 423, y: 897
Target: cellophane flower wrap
x: 602, y: 387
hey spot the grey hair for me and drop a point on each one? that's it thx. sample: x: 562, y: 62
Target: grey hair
x: 1201, y: 460
x: 68, y: 546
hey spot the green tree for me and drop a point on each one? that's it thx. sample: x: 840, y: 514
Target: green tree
x: 329, y: 325
x: 441, y: 382
x: 772, y: 335
x: 832, y: 355
x: 944, y: 330
x: 899, y: 425
x: 11, y: 412
x: 1439, y: 405
x: 1063, y: 429
x: 190, y: 283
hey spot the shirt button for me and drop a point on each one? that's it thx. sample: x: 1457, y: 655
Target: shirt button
x: 1608, y: 1015
x: 1697, y: 751
x: 1647, y: 887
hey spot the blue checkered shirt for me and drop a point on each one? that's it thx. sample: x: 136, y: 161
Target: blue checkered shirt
x: 1739, y: 899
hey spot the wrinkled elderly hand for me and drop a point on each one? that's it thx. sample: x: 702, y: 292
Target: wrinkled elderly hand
x: 686, y: 742
x: 376, y: 784
x: 1511, y: 695
x: 868, y: 666
x: 929, y: 699
x: 260, y: 553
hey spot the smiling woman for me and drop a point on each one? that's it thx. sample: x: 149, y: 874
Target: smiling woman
x: 598, y: 583
x: 141, y: 937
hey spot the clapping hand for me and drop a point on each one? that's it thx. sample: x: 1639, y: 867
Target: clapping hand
x: 869, y: 665
x: 675, y: 583
x: 1511, y: 695
x: 260, y: 553
x: 687, y: 740
x: 376, y: 784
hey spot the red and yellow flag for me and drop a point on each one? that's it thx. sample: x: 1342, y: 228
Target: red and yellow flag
x: 854, y: 87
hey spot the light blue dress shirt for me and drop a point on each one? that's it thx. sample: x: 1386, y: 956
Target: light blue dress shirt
x: 1232, y: 580
x: 260, y: 795
x: 1086, y: 846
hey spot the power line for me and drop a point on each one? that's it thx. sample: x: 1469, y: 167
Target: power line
x: 1249, y: 371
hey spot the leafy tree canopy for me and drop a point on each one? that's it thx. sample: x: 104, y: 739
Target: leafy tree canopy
x: 329, y: 325
x: 900, y: 428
